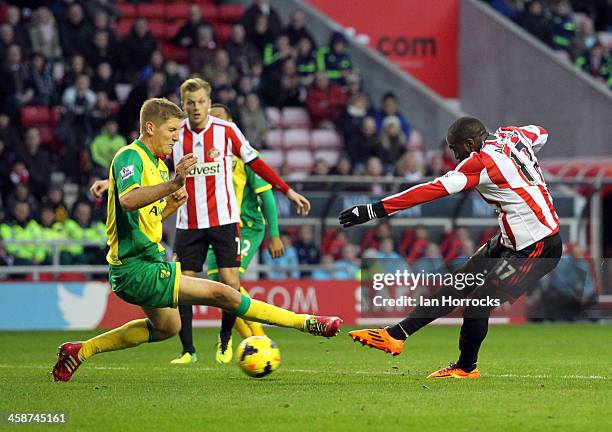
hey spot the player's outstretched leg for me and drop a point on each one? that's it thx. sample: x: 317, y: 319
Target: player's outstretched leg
x: 205, y: 292
x: 160, y: 324
x: 255, y: 327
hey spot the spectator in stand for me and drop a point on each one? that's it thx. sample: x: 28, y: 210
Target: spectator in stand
x: 327, y: 270
x: 7, y: 160
x: 75, y: 32
x: 253, y: 121
x: 136, y: 48
x: 389, y: 109
x: 435, y: 167
x: 79, y: 100
x: 18, y: 174
x: 21, y: 193
x: 562, y: 26
x: 42, y: 81
x: 363, y: 145
x: 23, y: 228
x: 375, y: 168
x: 104, y: 81
x: 203, y: 51
x: 9, y: 134
x: 465, y: 252
x: 353, y: 116
x: 393, y: 142
x: 334, y: 59
x: 289, y: 260
x: 44, y: 34
x: 7, y: 37
x: 173, y: 76
x: 261, y: 35
x: 261, y: 8
x: 20, y: 29
x: 343, y: 167
x: 15, y: 83
x: 347, y: 268
x: 55, y: 200
x: 586, y: 37
x: 307, y: 251
x: 391, y: 260
x: 336, y: 244
x: 82, y: 228
x: 48, y: 232
x: 101, y: 50
x: 241, y: 51
x: 101, y: 112
x: 325, y: 101
x: 419, y: 245
x: 535, y: 22
x: 409, y: 167
x: 76, y: 67
x: 275, y: 53
x: 187, y: 35
x: 596, y: 62
x: 102, y: 22
x: 431, y: 261
x: 354, y: 86
x: 226, y: 95
x: 296, y: 30
x: 508, y: 8
x: 37, y: 160
x: 283, y: 86
x: 153, y: 87
x: 221, y: 65
x: 306, y: 61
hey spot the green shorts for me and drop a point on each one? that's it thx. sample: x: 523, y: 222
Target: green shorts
x: 250, y: 242
x: 150, y: 284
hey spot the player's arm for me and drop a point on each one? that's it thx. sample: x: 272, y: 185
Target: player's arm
x: 268, y: 207
x: 99, y: 187
x: 174, y: 201
x: 464, y: 177
x: 242, y: 148
x: 133, y: 196
x: 536, y: 136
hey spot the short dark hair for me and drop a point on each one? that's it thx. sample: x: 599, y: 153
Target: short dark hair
x: 466, y: 127
x: 223, y: 107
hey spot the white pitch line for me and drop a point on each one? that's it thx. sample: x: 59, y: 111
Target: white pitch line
x: 315, y: 372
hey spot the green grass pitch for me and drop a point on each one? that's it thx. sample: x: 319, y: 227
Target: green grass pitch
x: 535, y: 378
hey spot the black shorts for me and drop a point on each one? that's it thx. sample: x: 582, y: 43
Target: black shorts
x: 191, y: 246
x: 508, y: 274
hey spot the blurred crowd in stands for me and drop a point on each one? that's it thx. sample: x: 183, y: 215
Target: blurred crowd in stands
x: 580, y: 31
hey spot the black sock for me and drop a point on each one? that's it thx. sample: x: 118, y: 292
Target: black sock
x: 473, y: 332
x: 186, y: 333
x: 227, y: 324
x: 423, y: 315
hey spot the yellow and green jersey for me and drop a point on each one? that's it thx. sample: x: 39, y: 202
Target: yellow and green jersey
x: 247, y: 186
x: 134, y: 234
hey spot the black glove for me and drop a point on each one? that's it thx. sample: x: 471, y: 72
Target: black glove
x: 361, y: 214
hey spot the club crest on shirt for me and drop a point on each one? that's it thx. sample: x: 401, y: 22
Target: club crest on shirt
x: 213, y: 153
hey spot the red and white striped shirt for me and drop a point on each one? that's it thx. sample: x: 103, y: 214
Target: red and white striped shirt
x: 212, y: 200
x: 506, y: 174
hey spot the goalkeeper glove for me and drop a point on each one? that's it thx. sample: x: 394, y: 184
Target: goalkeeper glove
x: 361, y: 214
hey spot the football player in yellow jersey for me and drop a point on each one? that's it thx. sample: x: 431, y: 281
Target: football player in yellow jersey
x: 250, y: 188
x: 141, y: 195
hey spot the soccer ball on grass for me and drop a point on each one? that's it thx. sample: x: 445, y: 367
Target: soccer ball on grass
x: 258, y: 356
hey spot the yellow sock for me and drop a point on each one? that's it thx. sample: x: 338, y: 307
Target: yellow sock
x: 255, y: 310
x: 243, y: 328
x: 253, y: 328
x: 129, y: 335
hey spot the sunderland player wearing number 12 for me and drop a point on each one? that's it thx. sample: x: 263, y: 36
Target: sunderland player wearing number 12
x: 503, y: 168
x: 140, y: 196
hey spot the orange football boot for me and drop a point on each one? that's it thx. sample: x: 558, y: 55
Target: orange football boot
x: 454, y: 371
x: 379, y: 339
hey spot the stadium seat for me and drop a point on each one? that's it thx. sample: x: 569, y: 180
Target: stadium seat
x: 170, y: 52
x: 300, y: 160
x: 35, y: 115
x: 274, y: 158
x: 158, y: 28
x: 296, y: 139
x: 153, y: 11
x: 326, y: 139
x: 274, y: 139
x: 273, y: 116
x: 56, y: 115
x: 209, y: 12
x: 126, y: 10
x: 124, y: 27
x: 295, y: 117
x: 47, y: 137
x: 329, y: 156
x: 230, y: 13
x: 172, y: 29
x: 223, y: 32
x: 177, y: 11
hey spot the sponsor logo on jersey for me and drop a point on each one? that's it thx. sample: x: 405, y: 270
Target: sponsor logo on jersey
x: 205, y: 169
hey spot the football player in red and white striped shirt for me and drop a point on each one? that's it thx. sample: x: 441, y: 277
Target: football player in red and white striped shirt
x: 504, y: 170
x: 211, y: 215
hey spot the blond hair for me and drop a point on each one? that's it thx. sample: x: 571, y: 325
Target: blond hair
x: 158, y: 111
x: 194, y: 84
